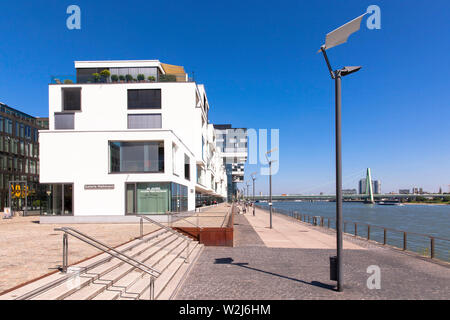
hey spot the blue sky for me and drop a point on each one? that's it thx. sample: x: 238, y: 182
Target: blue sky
x: 259, y: 64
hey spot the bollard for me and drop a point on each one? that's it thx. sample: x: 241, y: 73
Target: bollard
x: 404, y: 240
x: 142, y: 227
x: 333, y: 268
x: 432, y: 248
x: 368, y: 232
x: 384, y: 236
x: 356, y: 229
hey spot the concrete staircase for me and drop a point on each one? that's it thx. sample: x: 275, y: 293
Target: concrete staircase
x: 104, y: 277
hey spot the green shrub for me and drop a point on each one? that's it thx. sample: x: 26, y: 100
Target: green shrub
x: 96, y: 77
x: 129, y: 77
x: 68, y: 81
x: 167, y: 78
x: 151, y: 79
x: 140, y: 77
x: 105, y: 73
x: 122, y: 78
x: 115, y: 78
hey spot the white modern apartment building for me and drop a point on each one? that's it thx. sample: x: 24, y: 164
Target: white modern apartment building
x: 135, y: 141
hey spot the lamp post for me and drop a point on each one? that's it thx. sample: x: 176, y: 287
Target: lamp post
x: 335, y: 38
x: 270, y: 183
x: 253, y: 175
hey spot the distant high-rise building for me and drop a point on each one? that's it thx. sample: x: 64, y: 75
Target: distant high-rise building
x: 232, y: 143
x: 376, y: 186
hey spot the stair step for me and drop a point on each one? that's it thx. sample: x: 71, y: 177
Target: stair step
x: 162, y: 258
x: 174, y: 284
x: 122, y: 269
x: 108, y: 294
x: 63, y: 290
x: 169, y: 265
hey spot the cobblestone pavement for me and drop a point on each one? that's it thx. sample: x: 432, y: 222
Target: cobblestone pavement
x: 29, y: 249
x: 252, y: 271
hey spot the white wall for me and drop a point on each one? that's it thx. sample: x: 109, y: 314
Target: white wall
x: 83, y: 158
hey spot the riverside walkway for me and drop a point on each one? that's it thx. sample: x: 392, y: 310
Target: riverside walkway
x: 291, y: 261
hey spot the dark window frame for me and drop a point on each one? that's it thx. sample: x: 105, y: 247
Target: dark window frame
x: 63, y: 101
x: 65, y: 114
x: 143, y: 114
x: 135, y: 104
x: 187, y: 167
x: 160, y: 171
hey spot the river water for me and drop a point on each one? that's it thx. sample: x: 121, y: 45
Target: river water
x: 432, y: 220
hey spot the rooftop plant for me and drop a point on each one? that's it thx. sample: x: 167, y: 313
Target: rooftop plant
x: 96, y: 77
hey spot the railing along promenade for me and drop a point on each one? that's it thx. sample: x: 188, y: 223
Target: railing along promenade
x: 426, y: 245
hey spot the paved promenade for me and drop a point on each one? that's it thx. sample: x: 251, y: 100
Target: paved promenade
x: 291, y: 261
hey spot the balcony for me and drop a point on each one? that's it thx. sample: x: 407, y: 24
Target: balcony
x: 115, y: 79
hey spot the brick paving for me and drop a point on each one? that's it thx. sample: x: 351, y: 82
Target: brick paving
x: 251, y: 270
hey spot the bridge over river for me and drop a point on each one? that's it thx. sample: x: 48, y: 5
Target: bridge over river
x: 346, y: 197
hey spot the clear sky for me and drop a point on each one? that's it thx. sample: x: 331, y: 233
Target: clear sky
x: 259, y: 64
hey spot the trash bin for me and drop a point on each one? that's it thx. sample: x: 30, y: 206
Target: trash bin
x: 333, y: 268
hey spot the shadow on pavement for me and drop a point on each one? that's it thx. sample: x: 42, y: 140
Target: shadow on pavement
x: 245, y: 265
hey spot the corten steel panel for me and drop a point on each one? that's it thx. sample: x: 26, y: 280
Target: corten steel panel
x: 212, y: 236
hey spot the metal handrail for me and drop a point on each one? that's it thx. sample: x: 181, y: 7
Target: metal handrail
x: 159, y: 224
x: 50, y: 285
x: 188, y: 240
x: 117, y: 254
x: 171, y: 214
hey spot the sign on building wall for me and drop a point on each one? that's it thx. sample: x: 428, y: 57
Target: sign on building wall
x: 98, y: 186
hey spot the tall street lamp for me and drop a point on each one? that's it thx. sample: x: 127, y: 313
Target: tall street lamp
x: 270, y: 183
x: 253, y: 175
x: 335, y: 38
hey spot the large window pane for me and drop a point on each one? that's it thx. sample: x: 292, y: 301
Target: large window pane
x: 137, y: 156
x: 131, y: 199
x: 64, y: 121
x: 187, y: 167
x: 71, y: 99
x: 152, y: 198
x: 144, y: 99
x: 144, y: 121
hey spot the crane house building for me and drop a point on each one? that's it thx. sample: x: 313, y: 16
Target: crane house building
x: 128, y: 138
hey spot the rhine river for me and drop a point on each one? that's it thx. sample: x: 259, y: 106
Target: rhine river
x: 432, y: 220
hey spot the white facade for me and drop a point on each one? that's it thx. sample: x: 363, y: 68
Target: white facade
x: 82, y: 156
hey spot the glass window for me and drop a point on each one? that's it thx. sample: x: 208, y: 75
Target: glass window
x: 64, y: 121
x: 147, y: 198
x: 187, y: 167
x: 137, y: 156
x: 144, y: 121
x: 144, y: 99
x: 131, y: 192
x: 71, y: 99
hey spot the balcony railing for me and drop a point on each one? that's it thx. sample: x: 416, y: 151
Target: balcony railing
x: 72, y: 79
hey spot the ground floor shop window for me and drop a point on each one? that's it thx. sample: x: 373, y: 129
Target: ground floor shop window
x: 59, y: 200
x: 155, y: 197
